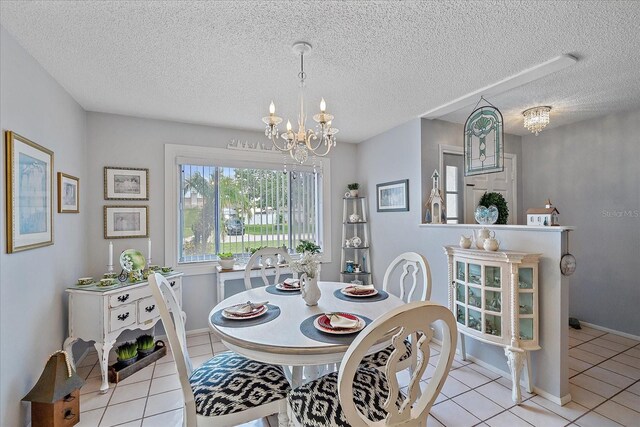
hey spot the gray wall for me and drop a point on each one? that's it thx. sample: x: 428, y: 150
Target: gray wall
x: 34, y: 311
x: 591, y: 172
x: 440, y: 132
x: 116, y: 140
x: 396, y: 154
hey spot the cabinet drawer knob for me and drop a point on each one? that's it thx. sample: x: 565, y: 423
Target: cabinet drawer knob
x: 149, y: 308
x: 172, y: 283
x: 123, y: 317
x: 123, y: 298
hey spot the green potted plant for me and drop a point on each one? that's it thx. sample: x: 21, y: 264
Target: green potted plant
x: 307, y: 246
x: 226, y: 260
x: 499, y: 202
x: 254, y: 250
x: 127, y: 353
x: 146, y: 345
x: 353, y: 189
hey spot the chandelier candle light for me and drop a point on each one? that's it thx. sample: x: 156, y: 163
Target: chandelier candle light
x: 303, y: 142
x: 536, y: 118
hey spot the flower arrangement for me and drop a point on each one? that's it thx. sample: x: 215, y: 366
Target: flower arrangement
x: 309, y: 264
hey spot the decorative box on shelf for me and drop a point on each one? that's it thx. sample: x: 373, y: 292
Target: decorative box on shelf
x: 494, y: 297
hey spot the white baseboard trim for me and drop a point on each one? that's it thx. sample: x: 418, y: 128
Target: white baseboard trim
x: 557, y: 400
x: 611, y: 331
x: 83, y: 355
x: 195, y: 332
x: 200, y: 331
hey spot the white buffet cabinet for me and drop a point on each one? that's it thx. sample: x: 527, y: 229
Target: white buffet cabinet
x: 494, y: 297
x: 101, y: 315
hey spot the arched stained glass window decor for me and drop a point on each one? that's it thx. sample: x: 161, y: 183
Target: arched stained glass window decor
x: 483, y: 142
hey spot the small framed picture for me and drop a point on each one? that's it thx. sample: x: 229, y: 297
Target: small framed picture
x: 126, y: 183
x: 393, y: 196
x: 122, y: 222
x: 68, y: 193
x: 29, y: 182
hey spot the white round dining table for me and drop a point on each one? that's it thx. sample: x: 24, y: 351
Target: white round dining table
x: 280, y: 341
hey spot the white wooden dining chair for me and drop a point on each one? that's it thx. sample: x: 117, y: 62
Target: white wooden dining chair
x: 413, y: 284
x: 266, y: 258
x: 364, y: 397
x: 227, y: 390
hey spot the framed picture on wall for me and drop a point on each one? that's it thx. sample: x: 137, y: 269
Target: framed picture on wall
x: 122, y: 222
x: 29, y: 169
x: 68, y: 193
x: 393, y: 196
x: 126, y: 183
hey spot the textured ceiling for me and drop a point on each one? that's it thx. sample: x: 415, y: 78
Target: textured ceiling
x: 377, y: 64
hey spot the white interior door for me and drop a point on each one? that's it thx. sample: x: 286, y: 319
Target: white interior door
x: 502, y: 182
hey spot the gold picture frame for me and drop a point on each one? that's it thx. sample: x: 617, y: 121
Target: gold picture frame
x: 122, y: 183
x: 29, y: 192
x: 68, y: 193
x: 125, y: 222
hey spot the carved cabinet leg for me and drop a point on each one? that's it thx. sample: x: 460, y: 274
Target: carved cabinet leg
x: 462, y: 348
x: 515, y: 360
x: 103, y: 350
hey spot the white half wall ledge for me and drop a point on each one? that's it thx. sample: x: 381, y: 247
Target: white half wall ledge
x: 554, y: 229
x: 520, y: 79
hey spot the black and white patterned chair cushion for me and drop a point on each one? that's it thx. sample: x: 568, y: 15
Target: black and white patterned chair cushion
x: 230, y: 383
x: 316, y: 404
x: 379, y: 359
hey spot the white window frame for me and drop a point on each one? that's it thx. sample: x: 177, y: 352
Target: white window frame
x: 176, y: 154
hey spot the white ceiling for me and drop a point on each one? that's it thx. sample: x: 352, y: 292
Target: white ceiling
x: 378, y: 64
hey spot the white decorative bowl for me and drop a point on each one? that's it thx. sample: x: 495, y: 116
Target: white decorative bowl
x: 227, y: 264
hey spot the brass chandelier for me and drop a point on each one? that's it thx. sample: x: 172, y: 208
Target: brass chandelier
x: 304, y: 142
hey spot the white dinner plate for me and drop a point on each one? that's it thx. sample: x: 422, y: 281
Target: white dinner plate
x: 258, y: 313
x: 281, y: 287
x: 344, y: 291
x: 361, y: 325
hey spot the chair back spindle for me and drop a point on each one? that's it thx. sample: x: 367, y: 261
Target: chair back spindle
x: 414, y: 318
x: 266, y: 258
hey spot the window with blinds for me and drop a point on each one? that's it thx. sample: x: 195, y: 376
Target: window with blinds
x: 236, y: 209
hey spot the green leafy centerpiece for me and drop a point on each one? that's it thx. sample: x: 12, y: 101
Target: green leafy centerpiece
x: 497, y: 200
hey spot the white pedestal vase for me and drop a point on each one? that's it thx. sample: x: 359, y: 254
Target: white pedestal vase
x: 310, y: 289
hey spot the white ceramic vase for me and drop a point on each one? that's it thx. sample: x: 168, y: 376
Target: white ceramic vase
x: 310, y: 289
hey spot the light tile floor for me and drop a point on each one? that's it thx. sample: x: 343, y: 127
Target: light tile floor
x: 604, y: 382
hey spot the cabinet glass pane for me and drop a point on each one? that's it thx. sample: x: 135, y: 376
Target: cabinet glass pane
x: 525, y: 278
x: 526, y: 329
x: 460, y: 292
x: 492, y: 325
x: 526, y: 302
x: 475, y: 320
x: 475, y: 297
x: 492, y: 276
x: 474, y: 274
x: 460, y: 317
x: 460, y: 270
x: 493, y: 301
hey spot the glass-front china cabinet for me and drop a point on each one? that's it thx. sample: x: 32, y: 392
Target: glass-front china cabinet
x: 494, y: 298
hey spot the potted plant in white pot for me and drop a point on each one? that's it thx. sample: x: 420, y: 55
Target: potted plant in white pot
x: 226, y: 260
x: 353, y: 189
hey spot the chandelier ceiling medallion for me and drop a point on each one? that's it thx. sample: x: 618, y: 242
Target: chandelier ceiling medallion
x: 304, y: 142
x: 536, y: 118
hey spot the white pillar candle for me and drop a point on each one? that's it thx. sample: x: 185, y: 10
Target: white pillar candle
x: 110, y: 253
x: 149, y: 250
